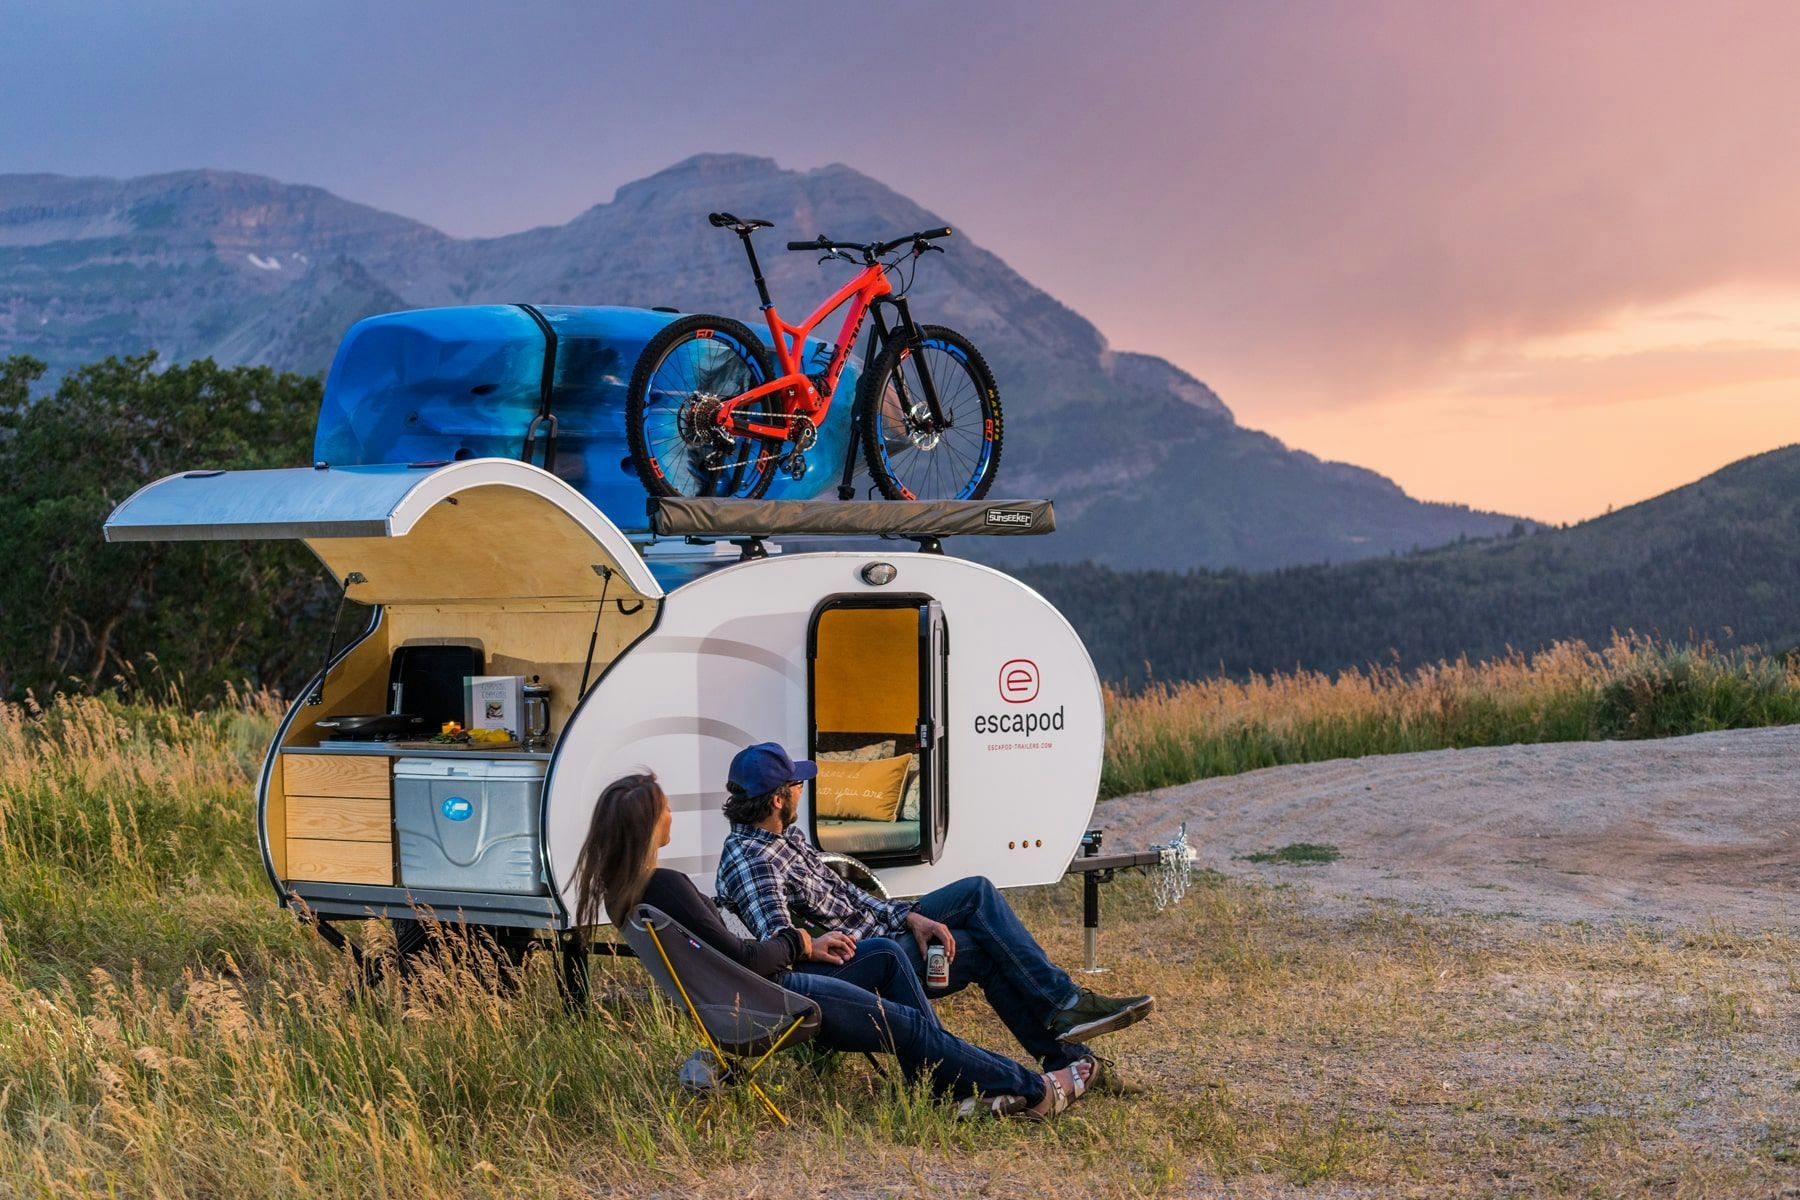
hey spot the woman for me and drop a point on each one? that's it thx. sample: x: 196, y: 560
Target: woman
x: 618, y: 868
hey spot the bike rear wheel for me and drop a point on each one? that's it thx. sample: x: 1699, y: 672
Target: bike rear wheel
x: 685, y: 371
x: 906, y: 456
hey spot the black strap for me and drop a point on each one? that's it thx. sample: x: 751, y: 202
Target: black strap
x: 546, y: 394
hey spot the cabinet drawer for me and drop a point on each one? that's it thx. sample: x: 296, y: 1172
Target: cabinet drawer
x: 340, y: 818
x: 335, y: 775
x: 323, y: 861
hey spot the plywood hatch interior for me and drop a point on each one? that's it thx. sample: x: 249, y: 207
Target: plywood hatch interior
x: 492, y: 546
x: 494, y: 550
x: 509, y: 567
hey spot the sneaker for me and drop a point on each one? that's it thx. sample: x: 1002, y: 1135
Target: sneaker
x: 1093, y: 1014
x: 1109, y: 1080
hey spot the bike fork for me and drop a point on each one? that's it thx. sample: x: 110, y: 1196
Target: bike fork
x: 910, y: 332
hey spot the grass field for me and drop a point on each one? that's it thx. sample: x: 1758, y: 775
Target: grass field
x: 1632, y: 688
x: 166, y: 1031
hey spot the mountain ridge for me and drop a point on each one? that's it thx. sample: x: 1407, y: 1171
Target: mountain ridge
x: 1716, y: 559
x: 1148, y: 465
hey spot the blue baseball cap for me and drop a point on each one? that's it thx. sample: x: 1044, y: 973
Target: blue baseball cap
x: 760, y: 769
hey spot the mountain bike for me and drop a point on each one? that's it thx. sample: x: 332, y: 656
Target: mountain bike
x: 710, y: 413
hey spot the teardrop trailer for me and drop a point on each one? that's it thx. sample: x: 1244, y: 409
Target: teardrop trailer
x: 668, y: 652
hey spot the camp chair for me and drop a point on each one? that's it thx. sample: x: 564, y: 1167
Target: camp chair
x: 738, y: 1012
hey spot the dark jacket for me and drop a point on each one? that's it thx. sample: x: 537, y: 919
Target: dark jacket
x: 676, y: 895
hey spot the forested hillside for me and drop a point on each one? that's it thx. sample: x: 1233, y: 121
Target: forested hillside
x: 1718, y: 559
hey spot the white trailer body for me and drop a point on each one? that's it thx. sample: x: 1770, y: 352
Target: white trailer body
x: 1013, y: 742
x: 971, y: 673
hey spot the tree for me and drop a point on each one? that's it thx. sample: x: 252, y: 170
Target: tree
x: 76, y: 612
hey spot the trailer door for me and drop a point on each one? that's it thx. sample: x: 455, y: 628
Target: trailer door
x: 876, y: 701
x: 934, y: 728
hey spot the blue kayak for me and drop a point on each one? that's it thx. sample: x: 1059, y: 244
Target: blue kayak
x: 450, y: 383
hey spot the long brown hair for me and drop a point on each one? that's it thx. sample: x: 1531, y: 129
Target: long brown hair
x: 615, y: 860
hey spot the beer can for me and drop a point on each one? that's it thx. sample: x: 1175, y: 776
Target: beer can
x: 937, y: 966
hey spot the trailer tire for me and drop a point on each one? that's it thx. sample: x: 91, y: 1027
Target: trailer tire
x: 852, y: 870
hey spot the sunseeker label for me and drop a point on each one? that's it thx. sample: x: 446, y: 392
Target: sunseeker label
x: 1017, y: 517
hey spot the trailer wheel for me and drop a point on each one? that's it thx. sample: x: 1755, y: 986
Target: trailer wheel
x: 852, y: 870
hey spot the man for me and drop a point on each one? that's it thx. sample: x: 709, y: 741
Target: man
x: 774, y: 879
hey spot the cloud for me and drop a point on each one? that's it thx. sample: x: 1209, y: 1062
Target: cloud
x: 1627, y: 378
x: 1381, y: 189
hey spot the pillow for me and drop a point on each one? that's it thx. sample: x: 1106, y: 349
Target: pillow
x: 862, y: 791
x: 909, y: 807
x: 868, y: 753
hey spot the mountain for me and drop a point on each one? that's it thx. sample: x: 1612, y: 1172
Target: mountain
x: 1147, y: 464
x: 1717, y: 559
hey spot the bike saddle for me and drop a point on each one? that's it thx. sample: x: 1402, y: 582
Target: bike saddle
x: 724, y: 220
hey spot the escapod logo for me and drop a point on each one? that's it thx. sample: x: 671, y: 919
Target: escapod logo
x: 1019, y: 681
x: 1019, y: 684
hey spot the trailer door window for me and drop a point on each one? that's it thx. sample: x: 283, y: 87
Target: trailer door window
x: 877, y: 728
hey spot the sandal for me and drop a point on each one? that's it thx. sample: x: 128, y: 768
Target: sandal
x: 1060, y: 1095
x: 980, y: 1108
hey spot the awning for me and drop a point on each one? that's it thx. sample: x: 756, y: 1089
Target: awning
x: 482, y: 530
x: 694, y: 517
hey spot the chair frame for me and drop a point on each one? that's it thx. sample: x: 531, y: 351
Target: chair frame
x: 749, y: 1072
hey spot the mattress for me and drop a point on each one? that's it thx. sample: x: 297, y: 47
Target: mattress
x: 867, y: 837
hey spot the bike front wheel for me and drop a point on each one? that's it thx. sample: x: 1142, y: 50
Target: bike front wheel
x: 685, y: 372
x: 910, y: 455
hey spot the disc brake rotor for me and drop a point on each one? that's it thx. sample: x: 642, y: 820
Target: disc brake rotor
x: 907, y: 426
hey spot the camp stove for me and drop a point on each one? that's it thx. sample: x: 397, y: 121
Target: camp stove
x: 361, y: 729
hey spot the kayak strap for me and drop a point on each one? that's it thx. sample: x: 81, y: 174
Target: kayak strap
x: 545, y: 419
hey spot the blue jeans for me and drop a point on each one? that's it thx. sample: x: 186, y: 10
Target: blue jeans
x: 996, y: 951
x: 874, y: 1004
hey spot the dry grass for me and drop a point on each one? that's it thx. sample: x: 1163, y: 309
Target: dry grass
x: 1635, y: 687
x: 166, y: 1031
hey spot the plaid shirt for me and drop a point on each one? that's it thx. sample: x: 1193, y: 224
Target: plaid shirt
x: 780, y: 882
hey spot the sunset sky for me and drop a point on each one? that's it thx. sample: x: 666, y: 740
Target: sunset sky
x: 1542, y: 258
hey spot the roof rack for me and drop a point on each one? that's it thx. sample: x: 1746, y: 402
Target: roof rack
x: 924, y: 521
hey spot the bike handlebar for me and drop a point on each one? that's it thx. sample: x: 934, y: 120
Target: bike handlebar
x: 873, y: 249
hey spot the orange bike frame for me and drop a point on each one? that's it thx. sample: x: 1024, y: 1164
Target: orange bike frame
x: 792, y: 394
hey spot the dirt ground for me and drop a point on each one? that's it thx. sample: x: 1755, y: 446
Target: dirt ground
x: 1684, y: 831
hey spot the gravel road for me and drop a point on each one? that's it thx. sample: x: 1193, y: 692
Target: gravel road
x: 1687, y: 831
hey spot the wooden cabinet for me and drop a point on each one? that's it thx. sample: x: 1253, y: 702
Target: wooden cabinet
x: 340, y: 817
x: 363, y: 775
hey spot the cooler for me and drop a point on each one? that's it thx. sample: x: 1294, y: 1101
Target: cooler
x: 470, y: 824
